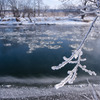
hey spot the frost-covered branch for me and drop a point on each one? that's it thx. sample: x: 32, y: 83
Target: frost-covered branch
x: 73, y: 73
x: 77, y: 55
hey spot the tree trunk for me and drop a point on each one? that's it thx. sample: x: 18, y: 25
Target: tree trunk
x: 85, y: 2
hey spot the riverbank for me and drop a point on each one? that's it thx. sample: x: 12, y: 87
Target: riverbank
x: 38, y: 89
x: 42, y: 21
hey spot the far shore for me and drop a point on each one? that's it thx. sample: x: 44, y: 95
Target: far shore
x: 44, y: 21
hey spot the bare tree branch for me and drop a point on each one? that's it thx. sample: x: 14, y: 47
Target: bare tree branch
x: 77, y: 55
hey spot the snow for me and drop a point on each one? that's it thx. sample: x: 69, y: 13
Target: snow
x: 8, y: 44
x: 25, y: 89
x: 42, y: 21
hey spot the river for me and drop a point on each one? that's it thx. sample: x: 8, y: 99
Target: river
x: 28, y: 52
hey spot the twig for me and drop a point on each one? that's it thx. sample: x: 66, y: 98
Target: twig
x: 93, y: 90
x: 76, y: 54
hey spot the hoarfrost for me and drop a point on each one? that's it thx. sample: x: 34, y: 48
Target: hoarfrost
x: 77, y: 55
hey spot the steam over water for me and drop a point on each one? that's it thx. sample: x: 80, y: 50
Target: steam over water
x: 28, y: 52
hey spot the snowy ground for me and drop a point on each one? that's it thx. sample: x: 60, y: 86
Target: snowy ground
x: 38, y: 89
x: 34, y: 93
x: 43, y: 20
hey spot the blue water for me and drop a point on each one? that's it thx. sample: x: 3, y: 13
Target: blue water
x: 28, y: 52
x: 32, y: 50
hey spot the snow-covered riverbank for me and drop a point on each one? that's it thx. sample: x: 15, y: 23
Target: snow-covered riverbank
x: 42, y: 21
x: 38, y: 89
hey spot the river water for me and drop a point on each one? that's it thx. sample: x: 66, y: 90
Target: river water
x: 28, y: 52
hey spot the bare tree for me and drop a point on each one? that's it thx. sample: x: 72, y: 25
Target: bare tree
x: 84, y: 6
x: 45, y: 9
x: 15, y: 6
x: 2, y: 7
x: 39, y: 6
x: 87, y: 4
x: 34, y: 7
x: 27, y: 9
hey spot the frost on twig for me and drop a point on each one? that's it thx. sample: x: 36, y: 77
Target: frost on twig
x: 73, y: 73
x: 77, y: 54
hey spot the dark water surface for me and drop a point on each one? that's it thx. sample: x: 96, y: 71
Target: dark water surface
x: 32, y: 50
x: 28, y: 52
